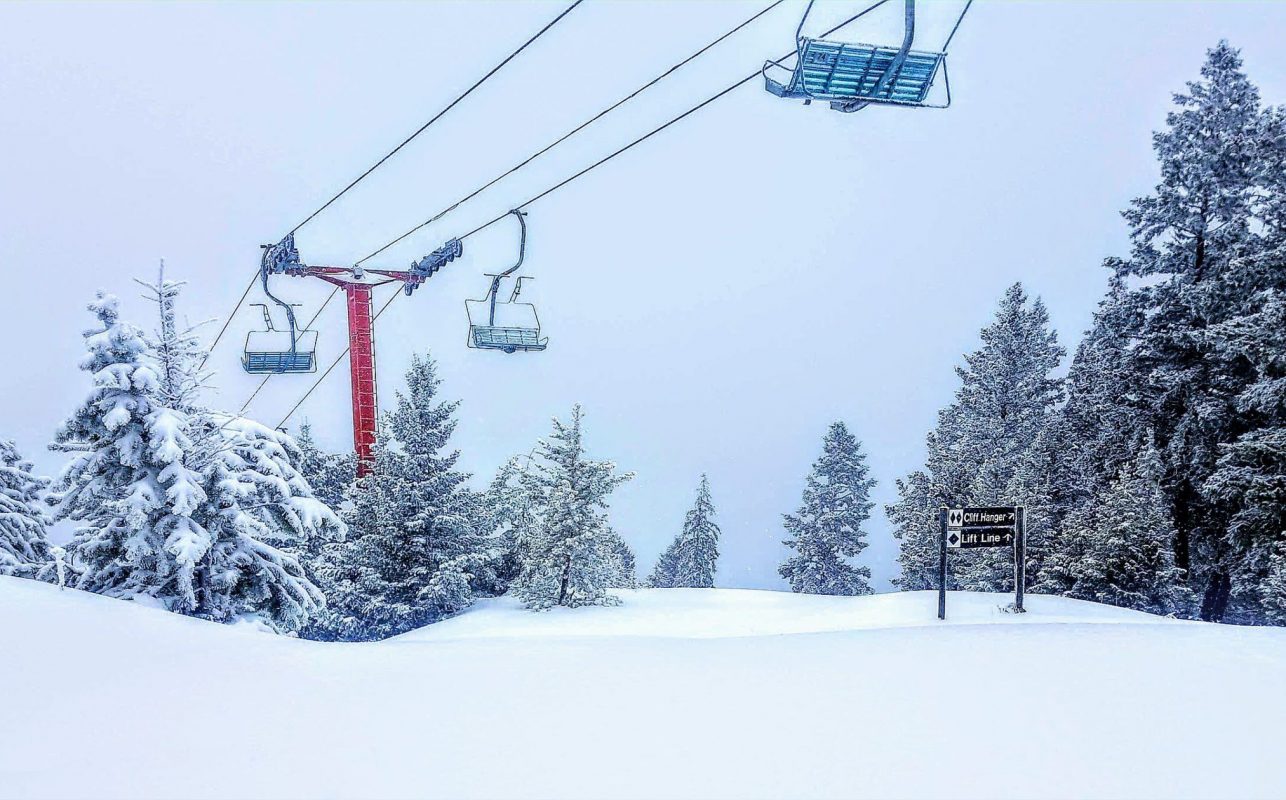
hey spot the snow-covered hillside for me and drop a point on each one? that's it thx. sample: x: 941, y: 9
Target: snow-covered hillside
x: 682, y: 693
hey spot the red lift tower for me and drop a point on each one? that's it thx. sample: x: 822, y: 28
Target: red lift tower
x: 358, y: 285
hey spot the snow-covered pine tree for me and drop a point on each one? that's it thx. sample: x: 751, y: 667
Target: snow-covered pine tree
x: 663, y: 572
x: 1193, y: 242
x: 176, y: 506
x: 176, y: 351
x: 691, y: 559
x: 128, y: 482
x: 570, y: 554
x: 1249, y: 480
x: 261, y: 518
x: 986, y: 448
x: 826, y: 531
x: 418, y: 547
x: 1103, y: 418
x: 1117, y: 548
x: 329, y: 474
x: 1272, y: 589
x: 510, y: 516
x: 24, y: 548
x: 914, y: 520
x: 623, y: 572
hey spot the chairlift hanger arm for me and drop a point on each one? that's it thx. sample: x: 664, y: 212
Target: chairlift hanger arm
x: 276, y: 258
x: 894, y: 69
x: 799, y: 32
x: 497, y: 278
x: 522, y: 242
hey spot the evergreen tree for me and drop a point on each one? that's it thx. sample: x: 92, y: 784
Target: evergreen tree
x: 914, y: 520
x: 663, y: 572
x: 1249, y: 479
x: 690, y: 560
x: 1272, y: 590
x: 1101, y: 422
x: 1118, y: 548
x: 623, y: 569
x: 417, y: 547
x: 24, y: 549
x: 176, y: 505
x: 1193, y: 247
x: 129, y: 482
x: 570, y: 554
x: 329, y: 474
x: 991, y: 446
x: 511, y: 516
x: 826, y: 531
x: 176, y: 352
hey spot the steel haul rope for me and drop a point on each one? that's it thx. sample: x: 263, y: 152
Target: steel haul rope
x: 390, y: 154
x: 579, y: 174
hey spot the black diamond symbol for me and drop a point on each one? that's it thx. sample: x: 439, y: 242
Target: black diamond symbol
x: 953, y: 538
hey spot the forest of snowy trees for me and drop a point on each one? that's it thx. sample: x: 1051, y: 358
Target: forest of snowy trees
x: 1153, y: 471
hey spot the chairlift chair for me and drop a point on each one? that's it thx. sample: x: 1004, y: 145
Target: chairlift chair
x: 270, y: 351
x: 853, y: 76
x: 276, y: 352
x: 505, y: 325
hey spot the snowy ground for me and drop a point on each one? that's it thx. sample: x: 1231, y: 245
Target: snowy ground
x: 716, y: 693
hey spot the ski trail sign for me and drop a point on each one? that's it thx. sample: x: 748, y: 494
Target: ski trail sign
x: 982, y: 526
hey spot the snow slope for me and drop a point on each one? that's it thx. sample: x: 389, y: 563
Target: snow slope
x: 678, y: 693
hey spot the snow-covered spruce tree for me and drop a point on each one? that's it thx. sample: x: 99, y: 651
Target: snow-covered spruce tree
x: 1103, y: 418
x: 262, y: 519
x: 826, y: 531
x: 1272, y: 589
x: 623, y: 569
x: 1249, y: 479
x: 570, y: 554
x: 691, y: 559
x: 663, y: 573
x: 418, y: 548
x: 1118, y: 547
x: 175, y: 507
x: 24, y: 549
x: 1194, y: 242
x: 260, y: 516
x: 329, y: 474
x: 176, y: 351
x: 510, y: 514
x: 987, y: 449
x: 914, y: 520
x: 128, y: 482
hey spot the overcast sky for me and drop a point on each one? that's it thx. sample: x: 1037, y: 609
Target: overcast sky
x: 714, y: 298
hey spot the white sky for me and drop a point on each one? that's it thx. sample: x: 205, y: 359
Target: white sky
x: 715, y: 297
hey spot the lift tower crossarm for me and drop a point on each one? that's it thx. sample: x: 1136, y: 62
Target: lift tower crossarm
x: 361, y: 335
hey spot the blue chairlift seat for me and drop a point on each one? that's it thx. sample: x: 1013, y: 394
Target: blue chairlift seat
x: 507, y: 326
x: 844, y: 73
x: 271, y: 352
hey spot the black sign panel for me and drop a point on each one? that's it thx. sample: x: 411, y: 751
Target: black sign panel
x: 982, y: 517
x: 982, y: 537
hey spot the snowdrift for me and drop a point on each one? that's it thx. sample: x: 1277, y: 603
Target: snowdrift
x: 678, y: 693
